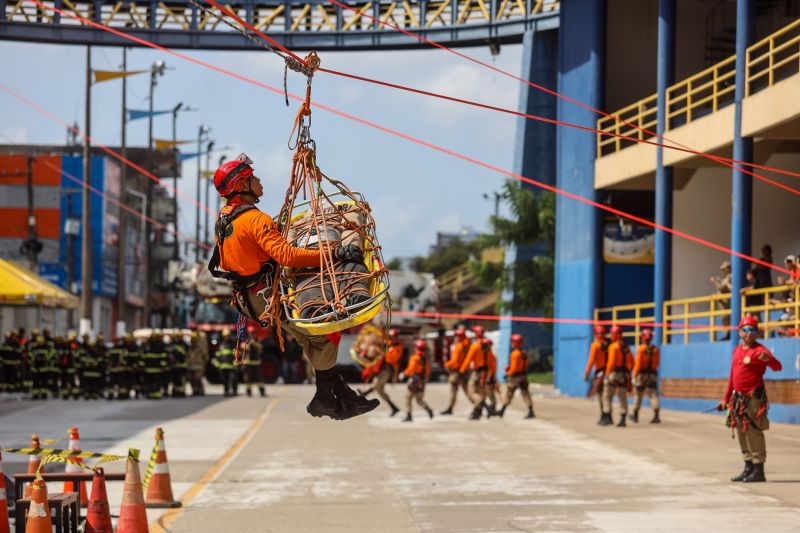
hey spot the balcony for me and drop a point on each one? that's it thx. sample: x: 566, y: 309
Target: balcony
x: 700, y: 115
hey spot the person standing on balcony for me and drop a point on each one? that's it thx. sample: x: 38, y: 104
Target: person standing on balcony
x: 618, y: 378
x: 746, y: 399
x: 455, y: 378
x: 764, y: 273
x: 598, y: 356
x: 645, y: 376
x: 723, y: 285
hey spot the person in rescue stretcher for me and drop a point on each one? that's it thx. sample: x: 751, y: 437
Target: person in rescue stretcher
x: 248, y: 248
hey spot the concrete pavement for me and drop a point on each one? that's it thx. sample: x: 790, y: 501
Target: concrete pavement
x: 264, y: 465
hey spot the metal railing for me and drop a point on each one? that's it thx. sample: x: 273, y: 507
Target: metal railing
x: 707, y: 318
x: 637, y: 316
x: 769, y: 61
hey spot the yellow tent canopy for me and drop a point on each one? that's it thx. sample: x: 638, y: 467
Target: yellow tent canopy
x: 20, y: 286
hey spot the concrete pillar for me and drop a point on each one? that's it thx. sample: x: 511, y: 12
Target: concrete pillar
x: 578, y: 268
x: 662, y: 279
x: 742, y: 188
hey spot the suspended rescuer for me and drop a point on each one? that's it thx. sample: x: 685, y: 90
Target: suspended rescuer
x: 455, y: 378
x: 249, y: 246
x: 645, y: 376
x: 746, y: 399
x: 596, y: 368
x: 517, y: 376
x: 417, y: 372
x: 618, y: 377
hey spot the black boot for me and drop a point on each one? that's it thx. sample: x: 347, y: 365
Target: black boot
x: 530, y: 413
x: 448, y: 411
x: 502, y: 411
x: 605, y: 419
x: 262, y: 391
x: 635, y: 416
x: 324, y: 403
x: 490, y: 410
x: 621, y: 423
x: 430, y: 412
x: 394, y: 408
x: 756, y: 475
x: 476, y: 413
x: 249, y: 392
x: 656, y: 419
x: 408, y: 418
x: 748, y: 467
x: 352, y: 403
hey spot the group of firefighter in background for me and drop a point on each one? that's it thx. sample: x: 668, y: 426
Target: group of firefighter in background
x: 471, y: 367
x: 162, y: 365
x: 616, y: 373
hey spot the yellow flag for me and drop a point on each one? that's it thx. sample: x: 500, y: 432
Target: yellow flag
x: 106, y: 75
x: 208, y: 174
x: 163, y: 144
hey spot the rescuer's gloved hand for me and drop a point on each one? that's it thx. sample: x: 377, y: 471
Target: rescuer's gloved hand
x: 349, y: 254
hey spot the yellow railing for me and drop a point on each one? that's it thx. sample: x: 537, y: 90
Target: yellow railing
x: 770, y: 60
x: 773, y: 58
x: 709, y: 316
x: 768, y: 302
x: 636, y: 315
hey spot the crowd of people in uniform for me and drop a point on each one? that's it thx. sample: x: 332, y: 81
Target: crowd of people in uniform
x: 471, y: 368
x: 162, y: 365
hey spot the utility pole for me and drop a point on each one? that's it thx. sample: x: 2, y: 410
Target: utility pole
x: 222, y: 159
x: 202, y: 130
x: 33, y: 246
x: 176, y: 253
x: 86, y: 249
x: 157, y: 69
x: 209, y: 147
x: 121, y: 281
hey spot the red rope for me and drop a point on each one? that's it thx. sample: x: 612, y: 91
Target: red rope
x: 421, y: 142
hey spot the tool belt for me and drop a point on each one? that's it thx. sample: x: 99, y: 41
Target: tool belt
x: 647, y: 379
x: 416, y: 384
x: 251, y: 293
x: 619, y: 377
x: 746, y: 409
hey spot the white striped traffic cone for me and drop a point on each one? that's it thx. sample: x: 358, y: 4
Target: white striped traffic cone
x: 159, y: 490
x: 72, y: 468
x: 33, y: 464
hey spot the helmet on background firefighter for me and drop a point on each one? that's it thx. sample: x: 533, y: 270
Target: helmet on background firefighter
x: 394, y: 333
x: 616, y: 332
x: 517, y: 340
x: 478, y: 331
x: 600, y: 331
x: 647, y: 334
x: 232, y: 176
x: 421, y: 345
x: 748, y: 321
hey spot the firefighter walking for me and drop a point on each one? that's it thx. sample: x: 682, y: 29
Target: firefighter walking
x: 596, y: 369
x: 388, y: 369
x: 746, y: 399
x: 645, y: 376
x: 491, y: 378
x: 517, y: 376
x: 618, y: 378
x: 475, y: 361
x: 417, y: 372
x: 455, y: 378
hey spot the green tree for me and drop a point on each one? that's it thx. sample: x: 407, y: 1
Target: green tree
x: 439, y: 262
x: 394, y: 264
x: 532, y: 222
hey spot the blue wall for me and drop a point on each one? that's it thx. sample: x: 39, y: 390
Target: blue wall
x: 627, y: 284
x: 578, y: 282
x: 713, y: 361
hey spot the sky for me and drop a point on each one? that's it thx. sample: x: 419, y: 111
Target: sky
x: 414, y: 191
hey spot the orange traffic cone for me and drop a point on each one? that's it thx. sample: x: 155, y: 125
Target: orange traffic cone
x: 132, y: 514
x: 4, y: 526
x: 39, y: 512
x: 98, y: 515
x: 72, y: 467
x: 33, y: 463
x: 159, y: 491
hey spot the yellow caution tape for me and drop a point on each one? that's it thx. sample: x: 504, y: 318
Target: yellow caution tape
x: 148, y: 474
x: 71, y: 454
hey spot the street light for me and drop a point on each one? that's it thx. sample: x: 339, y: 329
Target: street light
x: 201, y: 132
x: 175, y: 110
x: 497, y: 197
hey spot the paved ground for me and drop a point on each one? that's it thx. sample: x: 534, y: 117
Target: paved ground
x: 264, y: 465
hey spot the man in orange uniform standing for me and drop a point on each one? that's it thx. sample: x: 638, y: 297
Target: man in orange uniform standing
x: 598, y: 356
x: 455, y: 378
x: 746, y: 399
x: 517, y: 376
x: 618, y: 377
x: 249, y: 245
x: 417, y: 372
x: 390, y: 361
x: 645, y: 376
x: 476, y: 362
x: 491, y: 378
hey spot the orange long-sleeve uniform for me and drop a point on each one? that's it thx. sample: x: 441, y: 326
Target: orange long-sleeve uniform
x: 417, y: 366
x: 647, y: 358
x: 475, y: 357
x: 518, y: 363
x: 491, y: 362
x: 619, y: 356
x: 457, y: 355
x: 393, y: 355
x: 255, y: 239
x: 597, y: 356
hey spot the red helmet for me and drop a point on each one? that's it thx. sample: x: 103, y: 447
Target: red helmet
x: 599, y: 331
x: 394, y: 333
x: 478, y: 331
x: 487, y: 342
x: 616, y: 331
x: 647, y: 333
x: 460, y: 332
x: 517, y: 339
x: 748, y: 321
x: 421, y: 345
x: 231, y: 175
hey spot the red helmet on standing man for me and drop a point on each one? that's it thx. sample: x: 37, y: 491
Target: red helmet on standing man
x: 232, y: 175
x: 421, y: 345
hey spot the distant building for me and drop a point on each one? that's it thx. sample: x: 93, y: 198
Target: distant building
x: 466, y: 235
